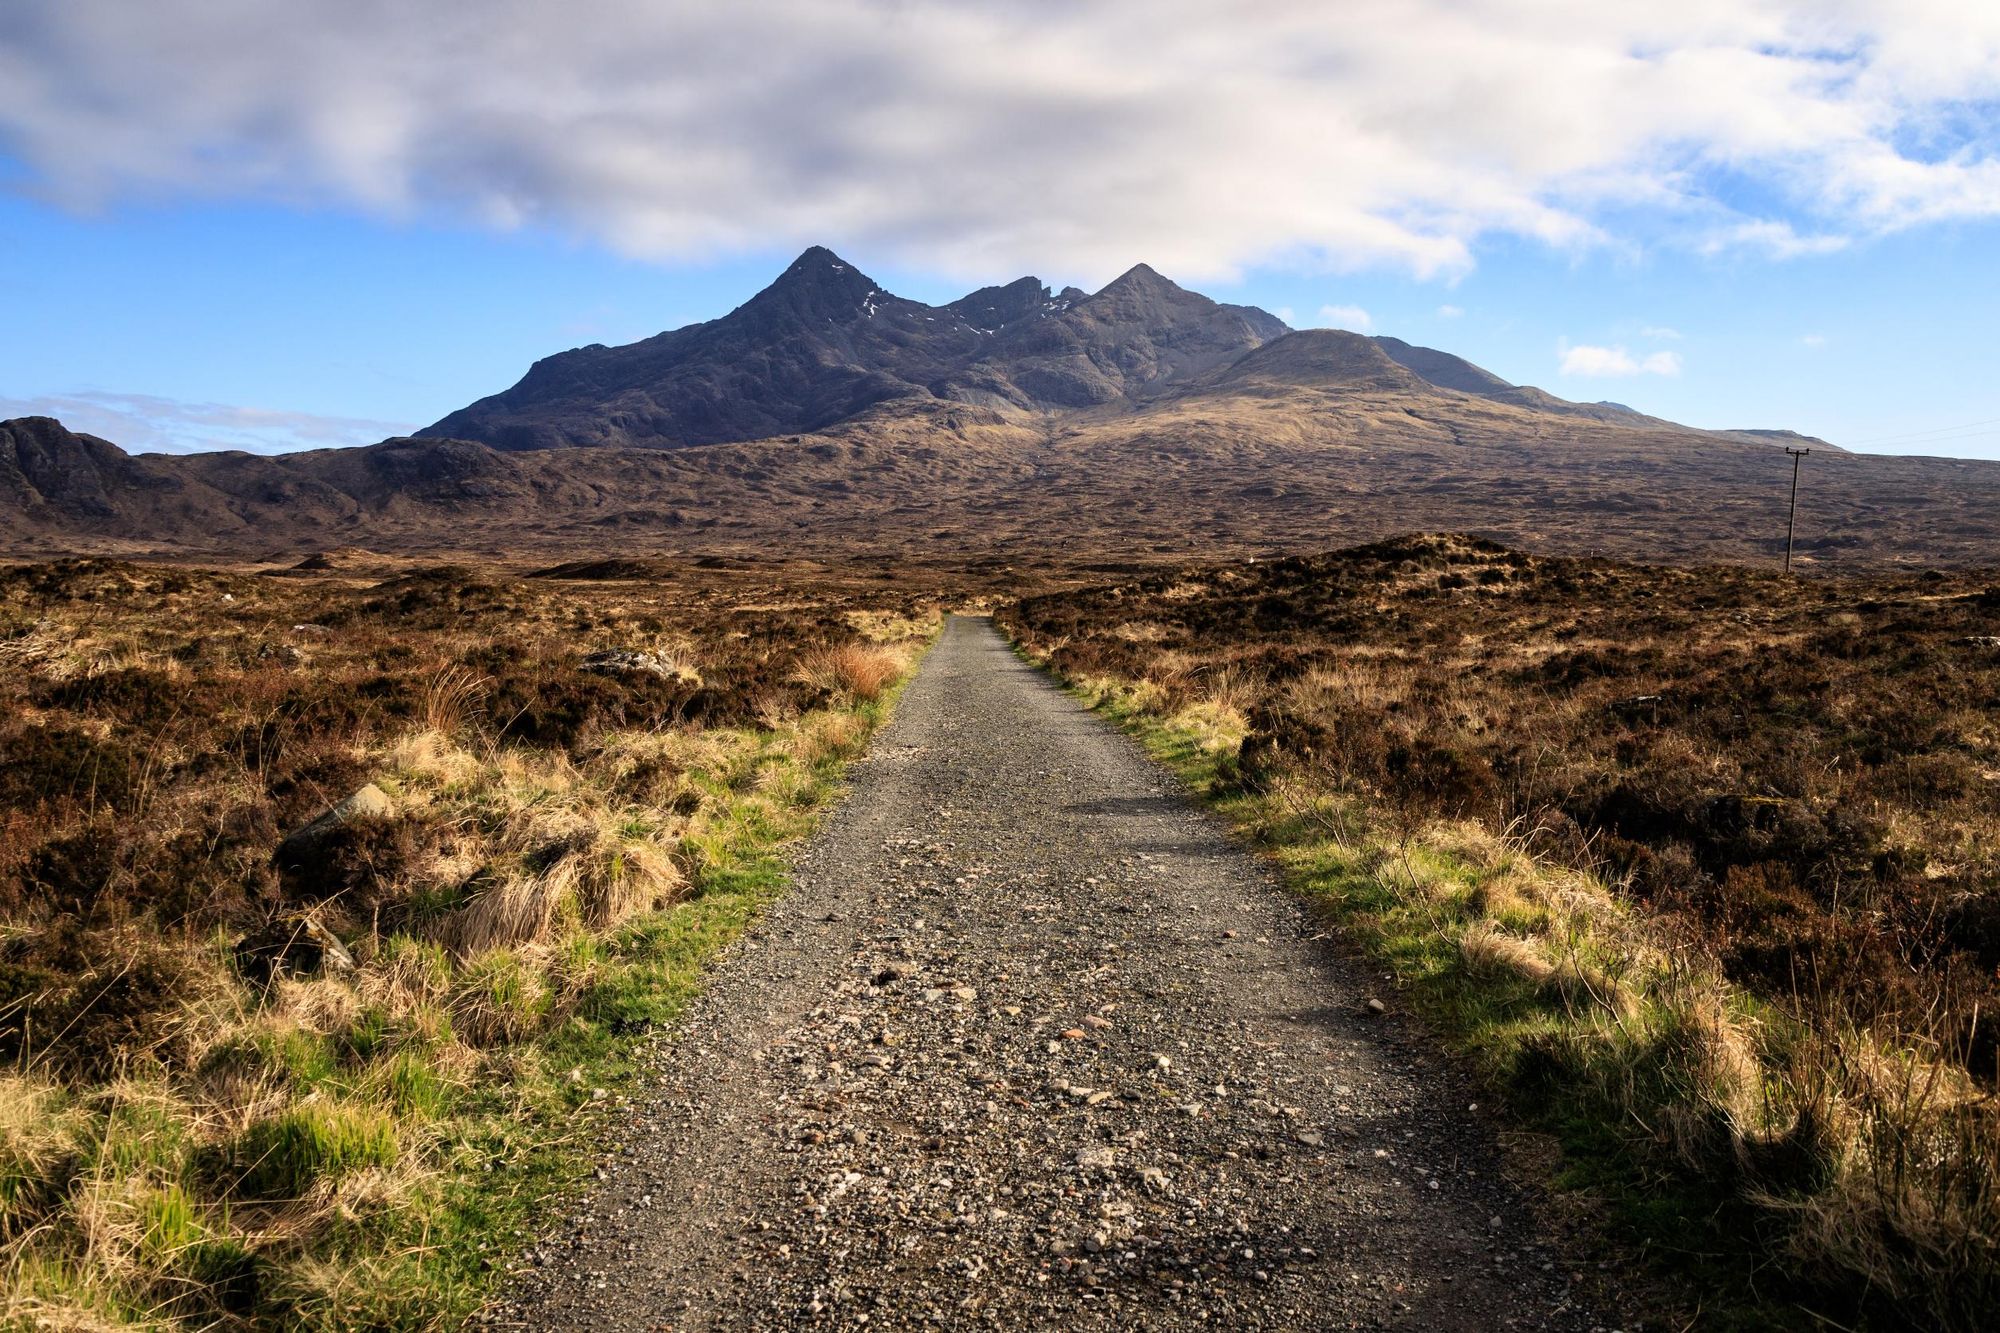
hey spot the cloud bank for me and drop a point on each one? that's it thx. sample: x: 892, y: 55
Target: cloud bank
x: 990, y: 137
x: 1603, y: 362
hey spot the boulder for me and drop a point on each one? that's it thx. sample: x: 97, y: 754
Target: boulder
x: 627, y: 661
x: 369, y: 802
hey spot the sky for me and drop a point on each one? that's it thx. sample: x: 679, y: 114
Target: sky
x: 231, y: 224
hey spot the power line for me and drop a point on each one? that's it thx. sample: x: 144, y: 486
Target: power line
x: 1924, y: 434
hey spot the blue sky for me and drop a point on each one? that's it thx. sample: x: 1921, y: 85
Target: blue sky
x: 1743, y: 214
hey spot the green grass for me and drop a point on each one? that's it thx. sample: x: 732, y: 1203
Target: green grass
x: 283, y: 1157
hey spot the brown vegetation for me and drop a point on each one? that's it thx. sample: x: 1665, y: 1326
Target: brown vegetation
x: 272, y: 1007
x: 1791, y: 789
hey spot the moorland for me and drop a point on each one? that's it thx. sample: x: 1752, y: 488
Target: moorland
x: 362, y: 810
x: 330, y: 897
x: 1700, y: 864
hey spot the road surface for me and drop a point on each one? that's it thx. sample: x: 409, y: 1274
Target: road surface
x: 1031, y: 1044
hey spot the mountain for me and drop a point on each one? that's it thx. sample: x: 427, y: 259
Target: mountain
x: 828, y: 419
x: 47, y: 471
x: 825, y: 342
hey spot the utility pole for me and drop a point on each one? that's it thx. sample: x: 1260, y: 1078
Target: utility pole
x: 1792, y: 523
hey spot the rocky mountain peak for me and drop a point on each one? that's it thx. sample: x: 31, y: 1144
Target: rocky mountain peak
x: 1143, y: 282
x: 992, y: 308
x: 819, y: 283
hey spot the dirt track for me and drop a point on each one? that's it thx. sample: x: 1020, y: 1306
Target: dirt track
x: 1033, y: 1045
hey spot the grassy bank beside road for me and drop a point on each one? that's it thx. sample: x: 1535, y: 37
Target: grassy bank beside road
x: 1639, y: 843
x: 331, y: 1079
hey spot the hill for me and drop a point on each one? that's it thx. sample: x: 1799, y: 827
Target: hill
x: 825, y: 343
x: 1261, y: 470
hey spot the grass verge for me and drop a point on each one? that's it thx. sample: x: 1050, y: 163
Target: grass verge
x: 1781, y: 1172
x: 365, y: 1149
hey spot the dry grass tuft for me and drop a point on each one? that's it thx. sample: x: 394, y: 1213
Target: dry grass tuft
x: 1493, y: 952
x: 454, y: 695
x: 853, y: 672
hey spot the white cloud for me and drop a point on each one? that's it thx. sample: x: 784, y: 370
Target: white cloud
x: 1660, y: 333
x: 987, y: 139
x: 1450, y: 311
x: 143, y: 423
x: 1606, y: 362
x: 1777, y: 240
x: 1812, y: 340
x: 1351, y: 317
x: 1284, y: 312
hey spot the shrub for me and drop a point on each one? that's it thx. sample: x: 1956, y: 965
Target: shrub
x: 44, y: 763
x: 84, y: 1002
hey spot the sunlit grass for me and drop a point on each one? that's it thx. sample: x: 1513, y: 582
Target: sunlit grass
x: 1764, y: 1160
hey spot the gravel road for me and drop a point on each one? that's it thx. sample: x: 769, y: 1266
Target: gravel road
x: 1032, y: 1045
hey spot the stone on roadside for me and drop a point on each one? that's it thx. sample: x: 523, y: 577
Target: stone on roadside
x: 627, y: 662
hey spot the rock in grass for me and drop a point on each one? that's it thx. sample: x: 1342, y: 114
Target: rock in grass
x: 291, y: 946
x: 369, y: 802
x: 626, y: 661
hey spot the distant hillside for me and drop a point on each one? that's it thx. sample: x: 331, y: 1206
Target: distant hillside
x: 825, y: 343
x: 828, y: 419
x: 1248, y: 462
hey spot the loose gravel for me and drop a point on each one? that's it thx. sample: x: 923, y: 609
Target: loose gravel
x: 1031, y: 1044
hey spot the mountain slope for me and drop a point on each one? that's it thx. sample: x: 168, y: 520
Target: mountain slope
x: 824, y: 342
x: 1443, y: 369
x: 1253, y: 467
x: 1321, y: 359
